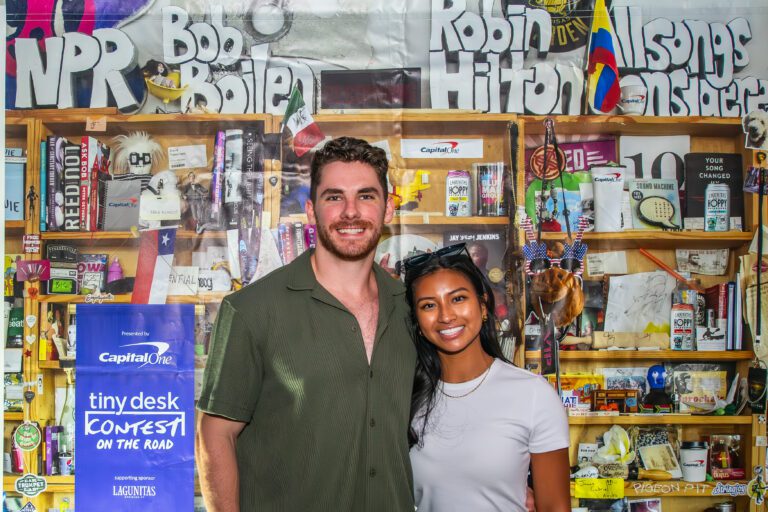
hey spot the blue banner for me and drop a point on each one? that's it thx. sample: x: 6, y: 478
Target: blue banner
x: 134, y: 407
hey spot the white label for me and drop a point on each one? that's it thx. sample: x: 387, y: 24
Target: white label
x: 600, y: 263
x: 187, y: 157
x: 441, y: 148
x: 162, y: 207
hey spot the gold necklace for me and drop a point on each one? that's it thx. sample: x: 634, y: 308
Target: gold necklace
x: 487, y: 371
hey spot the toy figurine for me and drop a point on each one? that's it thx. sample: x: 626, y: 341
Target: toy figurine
x: 115, y: 271
x: 657, y: 400
x: 199, y: 202
x: 135, y: 153
x: 32, y: 197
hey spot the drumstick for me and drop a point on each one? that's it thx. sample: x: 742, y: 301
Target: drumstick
x: 670, y: 270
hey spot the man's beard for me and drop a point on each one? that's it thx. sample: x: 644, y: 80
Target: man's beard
x: 349, y: 251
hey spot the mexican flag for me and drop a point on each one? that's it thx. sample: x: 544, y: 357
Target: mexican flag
x: 306, y: 133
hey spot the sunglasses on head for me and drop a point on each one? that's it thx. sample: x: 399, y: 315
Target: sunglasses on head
x: 422, y: 259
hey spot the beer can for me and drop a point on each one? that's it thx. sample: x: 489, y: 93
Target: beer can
x: 458, y: 193
x: 717, y: 210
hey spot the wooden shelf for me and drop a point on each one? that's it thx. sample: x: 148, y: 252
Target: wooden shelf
x: 675, y: 488
x: 646, y: 355
x: 659, y: 419
x: 13, y: 416
x: 124, y: 235
x: 14, y: 224
x: 638, y: 125
x: 633, y: 239
x: 201, y: 298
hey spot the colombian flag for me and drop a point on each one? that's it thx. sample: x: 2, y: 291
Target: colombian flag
x: 603, y: 75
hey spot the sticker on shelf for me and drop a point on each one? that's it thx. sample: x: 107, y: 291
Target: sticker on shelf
x: 27, y: 436
x: 29, y: 507
x: 30, y: 485
x: 31, y: 321
x: 761, y: 441
x: 31, y: 339
x: 31, y: 243
x: 99, y: 298
x: 96, y: 124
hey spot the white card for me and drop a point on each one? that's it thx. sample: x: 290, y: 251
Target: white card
x: 600, y: 263
x: 187, y: 157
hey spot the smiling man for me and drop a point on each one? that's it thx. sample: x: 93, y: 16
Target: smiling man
x: 306, y: 395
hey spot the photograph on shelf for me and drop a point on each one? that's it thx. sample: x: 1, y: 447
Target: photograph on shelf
x: 662, y: 457
x: 644, y: 505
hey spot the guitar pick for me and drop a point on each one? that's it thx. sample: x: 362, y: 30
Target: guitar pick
x: 31, y: 321
x: 31, y: 338
x: 29, y: 395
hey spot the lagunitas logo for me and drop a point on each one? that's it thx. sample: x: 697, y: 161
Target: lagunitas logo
x: 450, y: 147
x: 143, y: 353
x: 134, y: 491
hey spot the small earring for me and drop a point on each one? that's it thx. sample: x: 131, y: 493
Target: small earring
x: 485, y: 317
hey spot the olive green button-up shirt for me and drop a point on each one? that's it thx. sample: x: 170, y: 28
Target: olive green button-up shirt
x: 325, y: 431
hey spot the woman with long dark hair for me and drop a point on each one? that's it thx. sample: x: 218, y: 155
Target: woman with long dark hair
x: 477, y: 421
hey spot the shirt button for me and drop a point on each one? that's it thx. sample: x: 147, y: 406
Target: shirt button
x: 373, y: 422
x: 354, y: 328
x: 371, y: 374
x: 372, y: 472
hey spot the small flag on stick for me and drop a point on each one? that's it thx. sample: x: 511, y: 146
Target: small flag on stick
x: 603, y: 74
x: 298, y: 120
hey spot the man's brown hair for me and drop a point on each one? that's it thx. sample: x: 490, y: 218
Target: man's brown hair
x: 348, y: 149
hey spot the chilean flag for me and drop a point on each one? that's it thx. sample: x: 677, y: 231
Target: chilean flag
x: 153, y: 270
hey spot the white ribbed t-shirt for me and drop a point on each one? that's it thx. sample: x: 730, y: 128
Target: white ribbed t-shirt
x: 476, y: 449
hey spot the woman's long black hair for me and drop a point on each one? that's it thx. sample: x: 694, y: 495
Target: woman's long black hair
x: 428, y: 368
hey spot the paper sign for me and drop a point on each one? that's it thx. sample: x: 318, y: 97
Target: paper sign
x: 31, y: 243
x: 599, y: 488
x: 187, y: 157
x: 600, y: 263
x: 183, y: 281
x: 96, y: 124
x: 441, y: 148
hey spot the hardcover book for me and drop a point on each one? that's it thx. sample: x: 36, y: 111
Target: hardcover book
x: 55, y: 196
x: 655, y: 204
x: 701, y: 169
x: 71, y: 187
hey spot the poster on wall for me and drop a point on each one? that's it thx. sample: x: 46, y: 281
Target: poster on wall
x: 134, y: 407
x: 688, y: 58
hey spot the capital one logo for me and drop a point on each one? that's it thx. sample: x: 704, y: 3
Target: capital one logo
x: 447, y: 146
x: 153, y: 354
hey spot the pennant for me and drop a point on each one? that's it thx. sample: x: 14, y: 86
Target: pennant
x: 153, y: 270
x: 306, y: 133
x: 603, y: 74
